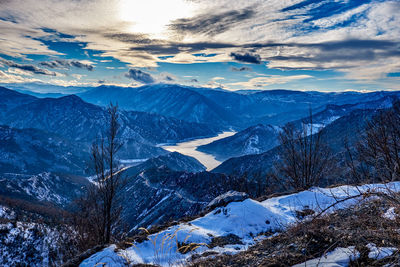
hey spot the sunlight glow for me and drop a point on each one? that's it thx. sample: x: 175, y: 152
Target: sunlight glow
x: 153, y: 16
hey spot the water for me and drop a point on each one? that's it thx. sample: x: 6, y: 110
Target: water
x: 189, y: 149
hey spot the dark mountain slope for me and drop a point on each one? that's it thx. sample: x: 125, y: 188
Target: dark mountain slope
x: 160, y: 195
x: 76, y: 120
x: 33, y: 151
x: 168, y: 100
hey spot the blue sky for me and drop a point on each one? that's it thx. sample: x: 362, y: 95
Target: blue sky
x: 333, y: 45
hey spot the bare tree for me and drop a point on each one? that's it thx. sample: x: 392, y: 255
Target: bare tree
x: 379, y: 148
x: 99, y: 210
x: 304, y: 159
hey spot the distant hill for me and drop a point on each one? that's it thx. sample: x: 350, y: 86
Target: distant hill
x: 347, y: 128
x: 173, y: 161
x: 253, y: 140
x: 169, y: 100
x: 224, y: 108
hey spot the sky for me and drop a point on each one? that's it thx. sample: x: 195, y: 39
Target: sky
x: 335, y: 45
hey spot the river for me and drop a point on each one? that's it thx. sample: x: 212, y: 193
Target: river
x: 189, y: 148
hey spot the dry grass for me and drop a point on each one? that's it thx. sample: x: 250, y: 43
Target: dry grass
x: 358, y: 226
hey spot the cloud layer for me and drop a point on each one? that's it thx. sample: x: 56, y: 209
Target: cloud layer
x: 359, y: 39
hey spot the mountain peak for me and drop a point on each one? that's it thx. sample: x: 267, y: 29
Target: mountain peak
x: 71, y: 98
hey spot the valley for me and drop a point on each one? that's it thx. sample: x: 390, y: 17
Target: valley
x: 203, y: 165
x: 189, y: 148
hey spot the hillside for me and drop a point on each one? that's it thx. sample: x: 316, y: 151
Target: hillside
x: 347, y: 128
x: 75, y: 120
x: 233, y: 228
x: 32, y: 151
x: 253, y: 140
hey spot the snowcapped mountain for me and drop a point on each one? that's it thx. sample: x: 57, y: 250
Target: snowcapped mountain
x: 253, y: 140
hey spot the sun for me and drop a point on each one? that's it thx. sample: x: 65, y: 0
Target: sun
x: 153, y: 16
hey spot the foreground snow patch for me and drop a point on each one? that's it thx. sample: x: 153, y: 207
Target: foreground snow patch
x: 247, y: 220
x: 340, y: 257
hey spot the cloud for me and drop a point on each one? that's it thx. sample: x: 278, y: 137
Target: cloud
x: 139, y: 76
x: 243, y: 68
x: 28, y: 68
x: 11, y: 78
x: 211, y: 24
x: 260, y: 82
x: 165, y: 77
x: 286, y: 34
x: 67, y: 64
x: 246, y: 57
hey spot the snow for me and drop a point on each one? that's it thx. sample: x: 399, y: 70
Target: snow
x: 330, y: 120
x: 313, y: 128
x: 132, y: 161
x: 246, y: 219
x: 106, y: 257
x: 6, y: 213
x: 35, y: 243
x: 340, y: 257
x: 378, y: 253
x: 390, y: 214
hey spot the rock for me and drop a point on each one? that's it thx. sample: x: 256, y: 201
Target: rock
x: 225, y: 199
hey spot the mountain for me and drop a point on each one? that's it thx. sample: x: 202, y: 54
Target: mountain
x: 253, y: 140
x: 164, y: 99
x: 79, y: 121
x: 337, y: 122
x: 237, y: 227
x: 160, y: 195
x: 173, y: 161
x: 32, y: 151
x: 333, y: 112
x: 225, y: 108
x: 10, y: 99
x: 347, y: 128
x: 45, y: 187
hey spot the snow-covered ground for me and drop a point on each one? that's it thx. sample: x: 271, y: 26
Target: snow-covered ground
x: 248, y: 220
x: 340, y: 257
x: 189, y: 149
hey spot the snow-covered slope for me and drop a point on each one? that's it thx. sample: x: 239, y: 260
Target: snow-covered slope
x: 29, y: 239
x: 246, y: 222
x: 44, y: 187
x: 161, y: 195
